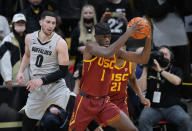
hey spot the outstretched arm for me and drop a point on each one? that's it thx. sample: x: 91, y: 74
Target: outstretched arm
x: 137, y: 58
x: 95, y: 50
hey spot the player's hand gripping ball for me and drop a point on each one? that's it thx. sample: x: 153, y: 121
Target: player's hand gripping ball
x: 144, y: 31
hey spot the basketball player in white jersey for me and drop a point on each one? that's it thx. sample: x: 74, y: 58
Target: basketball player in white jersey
x: 46, y: 55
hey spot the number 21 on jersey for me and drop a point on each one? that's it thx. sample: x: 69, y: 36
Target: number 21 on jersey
x: 115, y: 86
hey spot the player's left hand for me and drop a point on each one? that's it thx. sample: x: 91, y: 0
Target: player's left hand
x: 145, y: 102
x: 33, y: 84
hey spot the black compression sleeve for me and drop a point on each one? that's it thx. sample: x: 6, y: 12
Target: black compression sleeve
x: 93, y: 125
x: 53, y: 77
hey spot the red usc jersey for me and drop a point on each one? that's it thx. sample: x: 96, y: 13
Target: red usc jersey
x: 96, y: 76
x: 120, y: 75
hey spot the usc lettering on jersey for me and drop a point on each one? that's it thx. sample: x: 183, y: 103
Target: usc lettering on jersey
x: 96, y: 77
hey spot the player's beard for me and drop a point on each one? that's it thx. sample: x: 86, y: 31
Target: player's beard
x: 46, y: 32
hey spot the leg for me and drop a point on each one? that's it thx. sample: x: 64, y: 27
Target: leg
x: 148, y: 117
x: 81, y: 115
x: 124, y: 123
x: 28, y: 124
x: 178, y: 116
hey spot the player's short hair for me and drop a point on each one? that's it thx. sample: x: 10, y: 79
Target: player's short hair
x: 48, y: 13
x: 102, y: 29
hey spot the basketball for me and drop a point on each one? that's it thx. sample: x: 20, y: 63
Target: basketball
x: 146, y: 29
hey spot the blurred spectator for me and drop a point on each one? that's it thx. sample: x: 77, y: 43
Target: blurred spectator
x: 33, y: 12
x: 83, y: 33
x: 7, y: 8
x: 4, y: 30
x: 137, y: 7
x: 168, y: 29
x: 116, y: 13
x: 163, y: 81
x: 188, y: 27
x: 69, y: 12
x: 12, y: 49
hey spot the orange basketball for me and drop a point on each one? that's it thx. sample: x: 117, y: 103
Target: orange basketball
x: 146, y: 29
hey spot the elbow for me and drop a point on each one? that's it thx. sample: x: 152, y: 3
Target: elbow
x: 177, y: 82
x: 108, y: 56
x: 143, y: 61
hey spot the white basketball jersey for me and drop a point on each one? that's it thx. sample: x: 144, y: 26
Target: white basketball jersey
x: 43, y: 56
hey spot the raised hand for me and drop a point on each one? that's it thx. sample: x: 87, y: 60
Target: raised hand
x: 134, y: 28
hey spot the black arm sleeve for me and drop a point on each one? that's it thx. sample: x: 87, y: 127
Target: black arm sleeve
x: 93, y: 125
x: 53, y: 77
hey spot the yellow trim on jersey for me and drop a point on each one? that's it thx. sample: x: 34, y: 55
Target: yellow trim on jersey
x: 82, y: 86
x: 90, y: 59
x: 130, y: 67
x: 73, y: 121
x: 94, y: 59
x: 113, y: 119
x: 121, y: 66
x: 89, y: 66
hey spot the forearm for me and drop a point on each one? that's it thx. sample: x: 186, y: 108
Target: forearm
x: 24, y: 63
x: 53, y: 77
x: 142, y: 82
x: 109, y: 51
x: 136, y: 89
x: 119, y: 43
x: 146, y: 51
x: 76, y: 88
x: 171, y: 78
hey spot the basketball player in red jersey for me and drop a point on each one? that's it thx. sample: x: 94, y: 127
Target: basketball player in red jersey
x: 123, y: 72
x: 92, y: 102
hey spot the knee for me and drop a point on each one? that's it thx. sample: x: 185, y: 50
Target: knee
x: 130, y: 129
x: 134, y: 129
x: 143, y: 120
x: 54, y: 118
x: 186, y: 120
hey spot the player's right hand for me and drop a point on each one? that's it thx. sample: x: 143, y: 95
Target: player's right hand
x: 20, y: 79
x: 134, y: 28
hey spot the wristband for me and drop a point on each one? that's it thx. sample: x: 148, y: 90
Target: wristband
x: 45, y: 81
x: 161, y: 71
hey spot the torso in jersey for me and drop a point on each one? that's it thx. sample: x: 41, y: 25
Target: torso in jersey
x: 96, y: 77
x: 119, y: 80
